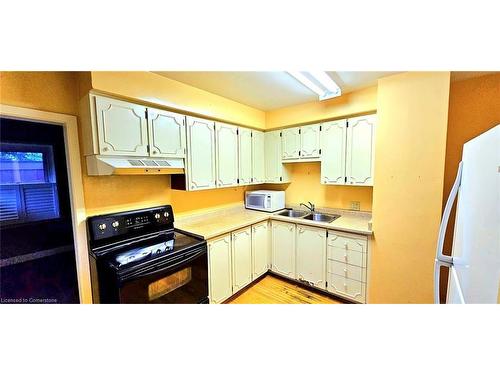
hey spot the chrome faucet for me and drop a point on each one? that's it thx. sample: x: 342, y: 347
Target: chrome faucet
x: 310, y: 207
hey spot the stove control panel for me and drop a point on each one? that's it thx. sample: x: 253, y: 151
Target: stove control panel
x: 130, y: 222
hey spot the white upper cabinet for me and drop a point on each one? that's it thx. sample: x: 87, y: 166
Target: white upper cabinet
x: 360, y: 150
x: 290, y: 143
x: 283, y: 248
x: 201, y: 154
x: 227, y: 155
x: 167, y: 134
x: 220, y: 271
x: 311, y: 256
x: 333, y: 148
x: 242, y: 258
x: 121, y: 127
x: 260, y: 249
x: 258, y: 159
x: 310, y: 141
x: 245, y: 156
x: 275, y: 171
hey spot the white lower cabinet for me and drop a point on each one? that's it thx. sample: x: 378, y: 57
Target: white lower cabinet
x: 260, y: 249
x: 330, y: 260
x: 283, y: 240
x: 237, y: 258
x: 311, y: 255
x: 347, y: 265
x: 242, y: 258
x: 220, y: 269
x: 347, y: 270
x: 346, y: 287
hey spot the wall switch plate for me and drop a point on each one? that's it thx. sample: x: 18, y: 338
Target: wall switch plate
x: 355, y: 205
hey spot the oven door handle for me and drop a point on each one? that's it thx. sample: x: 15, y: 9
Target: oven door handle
x: 160, y: 269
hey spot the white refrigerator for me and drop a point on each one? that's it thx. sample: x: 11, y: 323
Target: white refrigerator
x: 474, y: 275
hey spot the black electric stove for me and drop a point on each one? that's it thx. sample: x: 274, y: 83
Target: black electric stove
x: 139, y: 257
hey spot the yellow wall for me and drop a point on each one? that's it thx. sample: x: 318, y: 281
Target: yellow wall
x: 407, y: 196
x: 358, y: 102
x: 306, y: 186
x: 151, y: 87
x: 46, y: 91
x: 474, y: 108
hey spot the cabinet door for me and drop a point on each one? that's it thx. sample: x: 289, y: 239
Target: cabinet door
x: 245, y: 156
x: 258, y: 159
x: 201, y: 154
x: 290, y: 143
x: 360, y: 150
x: 242, y: 258
x: 219, y: 263
x: 260, y: 249
x: 283, y: 242
x: 273, y: 156
x: 333, y: 148
x: 310, y: 141
x: 227, y: 155
x: 122, y: 128
x: 311, y: 255
x: 167, y: 134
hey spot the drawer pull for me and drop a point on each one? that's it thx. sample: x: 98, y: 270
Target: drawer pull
x: 345, y: 255
x: 345, y: 286
x: 345, y: 271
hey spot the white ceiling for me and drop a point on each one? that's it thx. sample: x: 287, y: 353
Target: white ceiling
x: 269, y: 90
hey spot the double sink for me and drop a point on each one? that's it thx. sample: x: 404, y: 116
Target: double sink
x: 313, y: 216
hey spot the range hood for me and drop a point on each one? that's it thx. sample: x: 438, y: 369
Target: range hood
x: 100, y: 165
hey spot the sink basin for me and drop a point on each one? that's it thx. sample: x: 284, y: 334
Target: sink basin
x: 321, y: 217
x: 292, y: 213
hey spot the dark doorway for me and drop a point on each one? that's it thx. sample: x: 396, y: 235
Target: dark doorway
x: 37, y: 257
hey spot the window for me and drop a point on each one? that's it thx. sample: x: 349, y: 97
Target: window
x: 27, y: 183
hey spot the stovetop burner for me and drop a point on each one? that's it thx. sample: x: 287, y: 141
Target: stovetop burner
x: 139, y: 254
x: 174, y: 242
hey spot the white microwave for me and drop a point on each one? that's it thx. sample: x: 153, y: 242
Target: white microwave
x: 265, y: 200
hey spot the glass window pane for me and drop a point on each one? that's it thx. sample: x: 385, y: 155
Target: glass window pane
x: 21, y: 167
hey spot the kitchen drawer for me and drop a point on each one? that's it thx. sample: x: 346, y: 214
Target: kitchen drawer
x: 344, y: 287
x: 347, y: 270
x: 356, y: 258
x: 347, y: 241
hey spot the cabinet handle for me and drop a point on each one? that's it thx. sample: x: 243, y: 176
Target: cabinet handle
x: 290, y: 228
x: 345, y: 255
x: 345, y: 286
x: 345, y: 271
x: 345, y: 244
x: 105, y: 149
x: 155, y: 152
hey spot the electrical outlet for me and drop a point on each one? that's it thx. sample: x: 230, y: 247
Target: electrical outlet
x: 355, y: 205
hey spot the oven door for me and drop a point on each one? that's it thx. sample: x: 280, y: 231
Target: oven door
x: 182, y: 279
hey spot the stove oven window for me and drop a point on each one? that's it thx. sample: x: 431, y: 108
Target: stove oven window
x: 169, y: 283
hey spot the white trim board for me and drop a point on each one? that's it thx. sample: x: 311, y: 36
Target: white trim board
x: 75, y: 185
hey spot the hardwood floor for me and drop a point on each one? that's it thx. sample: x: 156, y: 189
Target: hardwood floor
x: 275, y: 290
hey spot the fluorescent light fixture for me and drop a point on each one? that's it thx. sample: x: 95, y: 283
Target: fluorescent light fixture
x: 319, y: 82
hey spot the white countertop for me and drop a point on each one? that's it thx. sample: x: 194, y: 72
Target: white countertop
x: 224, y: 220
